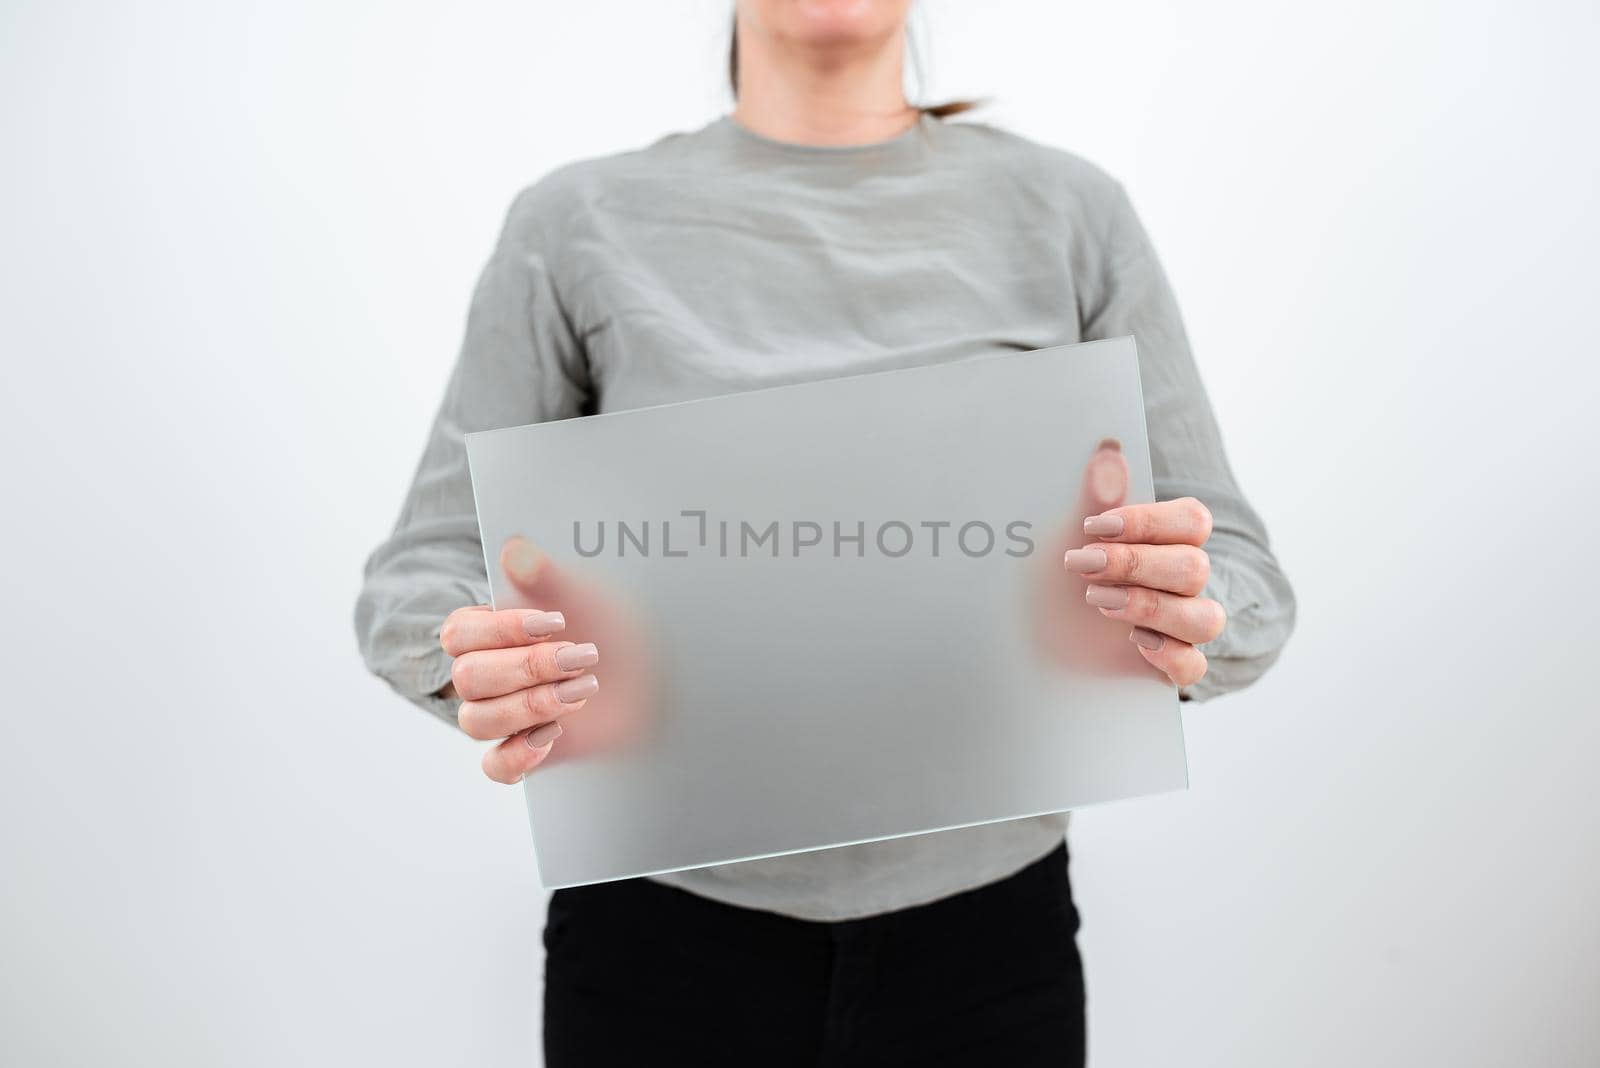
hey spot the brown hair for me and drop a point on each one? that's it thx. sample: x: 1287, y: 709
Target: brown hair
x: 938, y: 111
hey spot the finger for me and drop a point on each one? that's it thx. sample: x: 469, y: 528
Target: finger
x: 1105, y: 478
x: 1182, y: 662
x: 493, y: 672
x: 536, y: 580
x: 1175, y: 568
x: 481, y: 627
x: 519, y: 754
x: 500, y: 717
x: 1184, y: 521
x: 529, y: 570
x: 1196, y: 620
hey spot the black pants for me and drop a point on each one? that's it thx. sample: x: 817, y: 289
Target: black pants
x: 638, y: 973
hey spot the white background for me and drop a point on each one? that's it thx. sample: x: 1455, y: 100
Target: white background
x: 239, y: 242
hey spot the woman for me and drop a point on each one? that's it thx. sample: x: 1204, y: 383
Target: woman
x: 825, y: 227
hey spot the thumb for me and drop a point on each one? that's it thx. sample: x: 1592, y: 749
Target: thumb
x: 531, y: 573
x: 1105, y: 479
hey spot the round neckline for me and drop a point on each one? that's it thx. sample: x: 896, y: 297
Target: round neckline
x: 907, y: 140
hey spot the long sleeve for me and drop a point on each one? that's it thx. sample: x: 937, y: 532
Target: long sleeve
x: 1131, y: 295
x: 519, y: 363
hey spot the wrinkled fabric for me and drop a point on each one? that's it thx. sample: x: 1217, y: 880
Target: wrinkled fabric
x: 718, y: 260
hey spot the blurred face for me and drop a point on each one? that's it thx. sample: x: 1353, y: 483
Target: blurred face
x: 846, y: 25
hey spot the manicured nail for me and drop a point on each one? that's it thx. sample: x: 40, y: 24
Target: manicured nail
x: 579, y: 689
x: 1082, y: 560
x: 1103, y: 526
x: 1107, y: 596
x: 574, y: 657
x: 542, y: 735
x: 540, y: 624
x: 521, y: 558
x: 1147, y: 638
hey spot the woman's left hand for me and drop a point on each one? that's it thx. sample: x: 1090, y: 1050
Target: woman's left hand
x: 1148, y: 568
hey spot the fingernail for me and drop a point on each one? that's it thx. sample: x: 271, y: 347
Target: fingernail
x: 1107, y: 596
x: 1103, y: 526
x: 1147, y: 638
x: 579, y: 689
x: 539, y: 624
x: 1086, y: 560
x: 574, y: 657
x: 542, y: 735
x: 1109, y: 443
x: 521, y: 558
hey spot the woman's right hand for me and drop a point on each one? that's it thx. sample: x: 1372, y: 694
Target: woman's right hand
x: 515, y: 679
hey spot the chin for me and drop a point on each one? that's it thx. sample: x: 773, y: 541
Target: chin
x: 831, y: 22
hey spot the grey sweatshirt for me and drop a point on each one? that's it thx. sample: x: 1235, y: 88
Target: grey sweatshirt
x: 719, y: 260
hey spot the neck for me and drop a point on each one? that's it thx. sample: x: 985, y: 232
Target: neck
x: 824, y: 95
